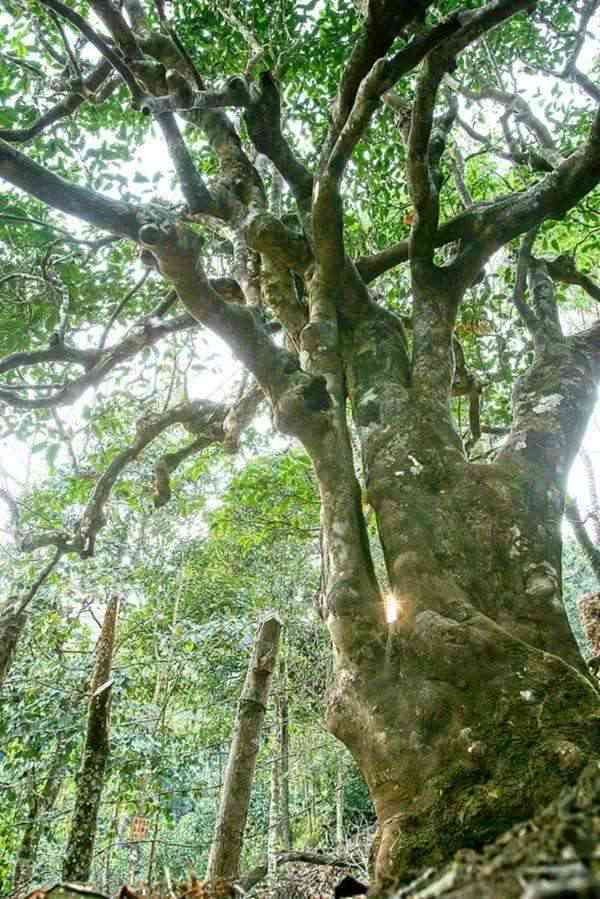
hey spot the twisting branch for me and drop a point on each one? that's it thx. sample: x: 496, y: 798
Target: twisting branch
x: 99, y: 43
x: 521, y: 305
x: 98, y: 364
x: 385, y: 20
x: 563, y: 269
x: 201, y: 417
x: 262, y: 116
x: 438, y: 62
x: 81, y: 92
x: 382, y: 77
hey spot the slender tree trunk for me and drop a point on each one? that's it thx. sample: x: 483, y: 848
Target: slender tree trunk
x: 284, y: 752
x: 39, y: 805
x: 80, y: 845
x: 590, y: 548
x: 13, y: 618
x: 113, y: 830
x: 274, y: 817
x: 153, y: 845
x: 224, y: 858
x: 339, y: 803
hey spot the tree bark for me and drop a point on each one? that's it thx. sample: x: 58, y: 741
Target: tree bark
x: 274, y: 817
x: 339, y: 803
x: 80, y: 846
x: 39, y: 805
x: 226, y: 848
x: 284, y: 748
x: 12, y: 625
x: 590, y: 548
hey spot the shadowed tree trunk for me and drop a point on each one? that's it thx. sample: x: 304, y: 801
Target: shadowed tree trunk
x: 90, y: 780
x: 13, y: 618
x: 40, y: 803
x: 224, y: 858
x: 284, y: 747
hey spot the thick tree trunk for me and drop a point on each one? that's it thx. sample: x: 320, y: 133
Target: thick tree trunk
x: 469, y: 707
x: 470, y: 710
x: 80, y: 845
x: 225, y: 852
x: 461, y: 725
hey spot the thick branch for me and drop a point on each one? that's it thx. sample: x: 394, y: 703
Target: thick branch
x: 385, y: 21
x: 563, y: 269
x: 197, y: 195
x: 178, y: 253
x: 99, y: 43
x: 493, y: 224
x: 263, y: 121
x: 94, y: 208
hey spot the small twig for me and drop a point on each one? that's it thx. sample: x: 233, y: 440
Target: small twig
x: 120, y: 306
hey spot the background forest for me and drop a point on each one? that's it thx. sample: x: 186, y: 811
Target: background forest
x: 200, y: 537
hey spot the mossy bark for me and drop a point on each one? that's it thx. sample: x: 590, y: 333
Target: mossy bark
x: 470, y: 710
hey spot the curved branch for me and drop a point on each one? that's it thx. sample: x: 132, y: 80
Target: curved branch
x: 563, y: 269
x: 143, y: 334
x: 199, y: 417
x: 197, y: 196
x: 63, y: 109
x: 88, y: 205
x: 99, y: 43
x: 263, y: 121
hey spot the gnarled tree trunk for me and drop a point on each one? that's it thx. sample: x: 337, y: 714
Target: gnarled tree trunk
x: 470, y: 709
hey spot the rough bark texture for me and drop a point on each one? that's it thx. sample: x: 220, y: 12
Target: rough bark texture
x: 90, y: 780
x: 589, y: 610
x: 552, y: 856
x: 12, y: 625
x: 224, y: 858
x: 40, y: 803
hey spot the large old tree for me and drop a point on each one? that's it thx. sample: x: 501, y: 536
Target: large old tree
x: 359, y: 189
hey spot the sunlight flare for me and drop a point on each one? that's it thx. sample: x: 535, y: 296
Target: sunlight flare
x: 391, y: 608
